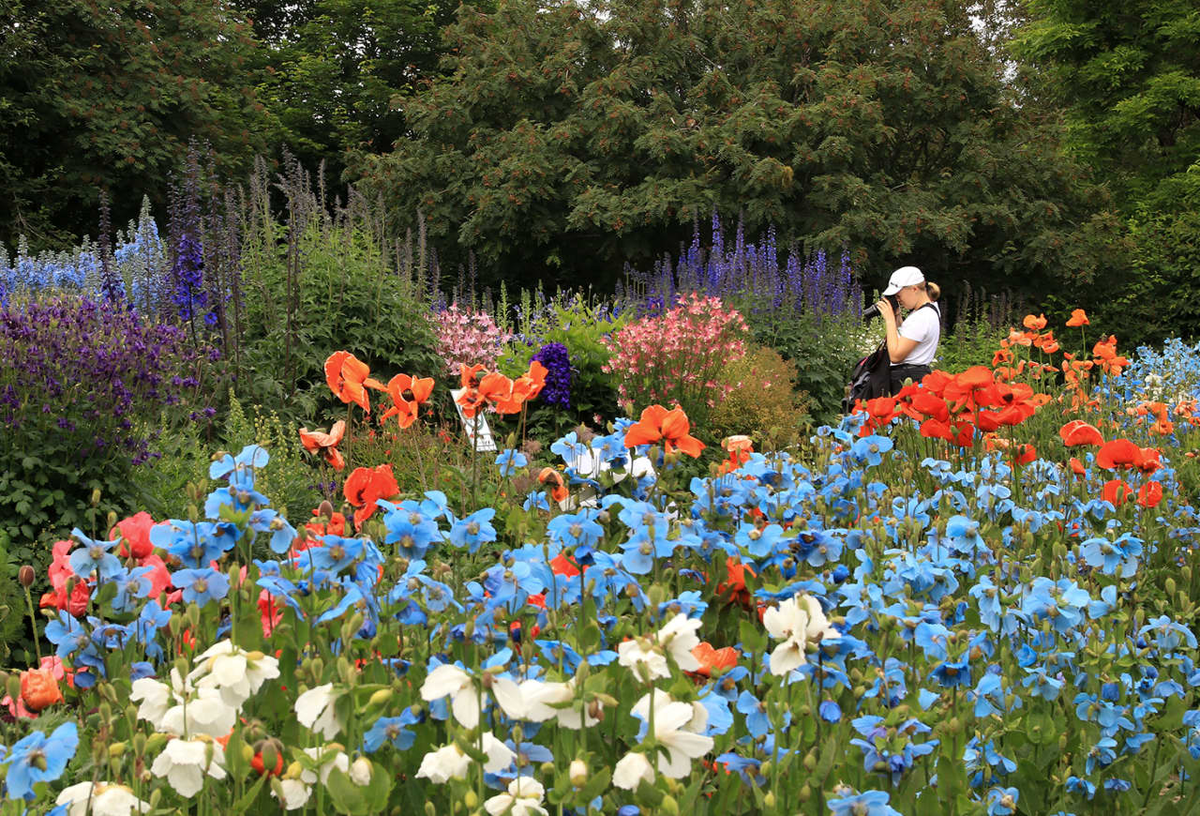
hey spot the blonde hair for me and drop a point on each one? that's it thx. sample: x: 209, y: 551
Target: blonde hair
x: 932, y: 290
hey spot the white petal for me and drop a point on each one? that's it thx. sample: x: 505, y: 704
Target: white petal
x: 631, y: 770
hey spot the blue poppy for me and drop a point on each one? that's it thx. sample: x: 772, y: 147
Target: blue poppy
x: 200, y: 586
x: 38, y: 758
x: 94, y: 556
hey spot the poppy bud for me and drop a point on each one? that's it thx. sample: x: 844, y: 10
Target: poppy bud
x: 96, y: 498
x: 325, y: 510
x: 471, y: 799
x: 578, y: 773
x: 13, y: 686
x: 26, y: 576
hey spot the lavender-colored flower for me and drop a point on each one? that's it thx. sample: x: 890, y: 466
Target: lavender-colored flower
x: 557, y: 360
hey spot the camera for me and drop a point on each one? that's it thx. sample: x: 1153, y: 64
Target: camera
x: 872, y: 311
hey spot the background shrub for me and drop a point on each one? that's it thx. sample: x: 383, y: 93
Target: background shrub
x: 762, y: 401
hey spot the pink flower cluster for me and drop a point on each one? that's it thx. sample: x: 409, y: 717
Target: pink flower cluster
x: 677, y: 357
x: 468, y: 337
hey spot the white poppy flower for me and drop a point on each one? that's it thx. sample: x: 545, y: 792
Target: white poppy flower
x: 360, y: 772
x: 567, y: 716
x: 679, y: 638
x: 236, y: 672
x: 316, y: 710
x: 796, y: 621
x: 678, y: 745
x: 295, y: 793
x: 155, y: 698
x: 499, y: 755
x: 184, y: 763
x: 524, y: 797
x: 644, y: 656
x: 106, y: 800
x: 448, y: 680
x: 444, y: 764
x: 204, y: 712
x: 631, y: 770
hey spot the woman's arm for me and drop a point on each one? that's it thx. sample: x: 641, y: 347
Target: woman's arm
x: 898, y: 347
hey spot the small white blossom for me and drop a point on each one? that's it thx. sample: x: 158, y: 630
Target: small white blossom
x: 185, y: 762
x: 316, y: 710
x: 648, y: 656
x: 631, y: 770
x: 236, y: 672
x: 677, y: 731
x: 448, y: 680
x: 106, y: 800
x: 524, y: 797
x: 796, y: 621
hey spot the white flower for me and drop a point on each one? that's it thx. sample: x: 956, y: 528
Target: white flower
x: 106, y: 800
x: 204, y: 712
x: 797, y: 621
x: 156, y: 699
x: 184, y: 763
x: 676, y: 727
x: 568, y: 716
x: 236, y: 672
x: 448, y: 680
x: 360, y: 772
x: 523, y: 798
x: 326, y: 759
x: 648, y: 657
x: 578, y: 773
x: 295, y: 793
x: 499, y: 755
x: 529, y: 700
x: 679, y: 638
x: 316, y: 710
x: 631, y: 770
x: 444, y: 764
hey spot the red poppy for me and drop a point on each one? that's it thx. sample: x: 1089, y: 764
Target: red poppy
x: 1119, y: 453
x: 713, y: 660
x: 1034, y: 323
x: 931, y: 405
x: 550, y: 476
x: 735, y: 586
x: 1077, y: 467
x: 1150, y: 494
x: 1151, y: 460
x: 270, y: 611
x: 672, y: 427
x: 1078, y: 432
x: 336, y: 525
x: 408, y: 394
x: 1024, y: 454
x: 562, y: 564
x: 1078, y: 318
x: 366, y: 485
x: 135, y: 531
x: 325, y: 444
x: 349, y: 377
x: 1116, y: 491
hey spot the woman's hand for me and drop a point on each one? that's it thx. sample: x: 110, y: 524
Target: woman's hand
x: 886, y: 311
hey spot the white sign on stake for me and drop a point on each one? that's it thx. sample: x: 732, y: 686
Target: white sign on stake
x: 486, y: 443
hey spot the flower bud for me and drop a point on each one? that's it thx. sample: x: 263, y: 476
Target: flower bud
x: 360, y: 772
x: 380, y: 697
x: 578, y: 773
x: 471, y: 799
x: 26, y: 576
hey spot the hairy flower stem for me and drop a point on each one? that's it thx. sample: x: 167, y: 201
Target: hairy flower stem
x: 37, y: 641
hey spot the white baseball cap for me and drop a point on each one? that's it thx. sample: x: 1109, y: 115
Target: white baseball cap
x: 904, y: 276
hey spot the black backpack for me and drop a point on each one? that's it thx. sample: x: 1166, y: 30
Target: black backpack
x: 871, y: 378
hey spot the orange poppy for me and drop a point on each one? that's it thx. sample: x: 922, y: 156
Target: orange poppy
x: 1077, y: 467
x: 349, y: 377
x: 672, y: 427
x: 365, y: 486
x: 531, y: 383
x: 408, y: 394
x: 710, y: 659
x: 336, y: 525
x: 1034, y: 323
x: 1119, y: 453
x: 550, y: 476
x: 1151, y: 460
x: 325, y: 444
x: 1116, y: 491
x: 740, y: 447
x: 1078, y: 318
x: 39, y: 689
x: 1150, y: 494
x: 1078, y: 432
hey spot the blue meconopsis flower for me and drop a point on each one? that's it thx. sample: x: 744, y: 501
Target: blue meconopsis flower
x: 870, y: 449
x: 94, y: 556
x: 1168, y: 634
x: 194, y: 543
x: 200, y: 586
x: 1002, y: 801
x: 38, y: 758
x: 474, y: 530
x: 510, y: 461
x: 411, y: 529
x: 576, y: 530
x: 1061, y: 602
x: 845, y: 802
x: 1112, y: 556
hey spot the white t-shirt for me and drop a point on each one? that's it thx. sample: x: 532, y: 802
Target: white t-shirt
x: 924, y: 326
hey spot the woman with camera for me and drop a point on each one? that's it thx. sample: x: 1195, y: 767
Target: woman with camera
x: 911, y: 343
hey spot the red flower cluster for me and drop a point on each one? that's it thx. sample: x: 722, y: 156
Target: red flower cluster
x: 954, y: 406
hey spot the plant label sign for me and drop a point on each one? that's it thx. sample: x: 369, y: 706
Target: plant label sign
x: 486, y: 442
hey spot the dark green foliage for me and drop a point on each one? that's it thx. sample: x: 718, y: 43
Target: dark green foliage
x: 108, y: 95
x: 331, y: 69
x: 565, y: 141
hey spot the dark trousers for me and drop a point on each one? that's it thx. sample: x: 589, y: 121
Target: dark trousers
x: 900, y: 373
